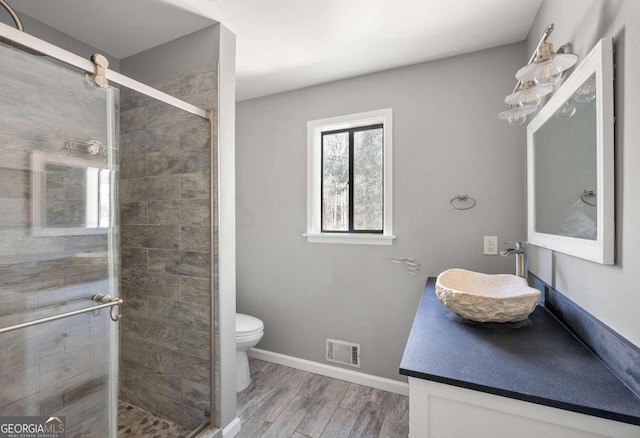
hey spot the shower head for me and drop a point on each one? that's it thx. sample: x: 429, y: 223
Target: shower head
x: 19, y: 26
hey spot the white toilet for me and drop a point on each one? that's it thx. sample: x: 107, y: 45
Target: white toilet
x: 249, y: 331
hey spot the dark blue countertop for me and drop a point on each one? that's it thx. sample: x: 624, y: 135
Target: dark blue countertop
x: 537, y: 360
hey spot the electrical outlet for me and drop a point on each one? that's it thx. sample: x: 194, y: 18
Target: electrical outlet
x: 490, y: 245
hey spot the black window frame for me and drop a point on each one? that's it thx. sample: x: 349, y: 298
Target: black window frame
x: 351, y: 131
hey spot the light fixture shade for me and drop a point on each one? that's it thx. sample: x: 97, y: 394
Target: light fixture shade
x: 517, y: 115
x: 514, y: 98
x: 565, y: 61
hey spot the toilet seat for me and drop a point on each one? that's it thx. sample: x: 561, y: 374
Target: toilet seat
x: 247, y: 326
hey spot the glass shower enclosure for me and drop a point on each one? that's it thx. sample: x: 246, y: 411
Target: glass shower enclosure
x: 104, y: 193
x: 58, y: 244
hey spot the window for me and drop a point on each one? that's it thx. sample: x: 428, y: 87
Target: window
x: 349, y: 179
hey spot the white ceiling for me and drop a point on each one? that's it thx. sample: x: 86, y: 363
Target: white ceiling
x: 119, y: 27
x: 288, y: 44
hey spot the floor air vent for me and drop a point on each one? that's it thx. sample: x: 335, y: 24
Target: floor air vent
x: 346, y: 353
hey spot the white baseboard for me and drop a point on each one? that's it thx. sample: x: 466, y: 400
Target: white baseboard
x: 232, y: 428
x: 357, y: 377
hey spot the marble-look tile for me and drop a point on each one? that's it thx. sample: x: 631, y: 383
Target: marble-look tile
x: 162, y: 333
x: 172, y: 362
x: 196, y: 135
x: 133, y: 262
x: 150, y: 189
x: 133, y: 393
x: 195, y: 185
x: 195, y: 238
x: 206, y: 100
x: 196, y: 291
x: 197, y: 394
x: 134, y: 166
x: 150, y: 236
x: 190, y: 264
x: 170, y: 194
x: 162, y: 114
x: 133, y: 119
x: 196, y: 344
x: 169, y: 84
x: 200, y: 80
x: 133, y: 213
x: 154, y: 284
x: 177, y: 162
x: 195, y: 212
x: 159, y: 138
x: 137, y: 305
x: 133, y: 349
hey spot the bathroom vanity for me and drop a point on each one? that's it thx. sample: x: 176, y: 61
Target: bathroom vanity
x: 528, y: 379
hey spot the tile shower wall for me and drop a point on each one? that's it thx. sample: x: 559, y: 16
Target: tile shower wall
x: 61, y: 367
x: 165, y: 195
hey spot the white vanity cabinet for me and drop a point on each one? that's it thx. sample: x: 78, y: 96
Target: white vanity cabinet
x: 531, y: 379
x: 438, y: 410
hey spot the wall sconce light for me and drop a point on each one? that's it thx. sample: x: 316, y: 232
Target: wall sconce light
x: 548, y: 66
x: 537, y: 79
x: 516, y: 115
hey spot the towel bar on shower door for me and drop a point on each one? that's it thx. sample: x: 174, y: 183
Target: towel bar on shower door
x: 105, y: 300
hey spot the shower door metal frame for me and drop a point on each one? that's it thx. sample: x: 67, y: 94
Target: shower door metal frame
x: 62, y: 55
x: 74, y: 60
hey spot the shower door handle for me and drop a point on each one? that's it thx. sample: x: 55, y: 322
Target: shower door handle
x: 112, y: 301
x: 104, y: 300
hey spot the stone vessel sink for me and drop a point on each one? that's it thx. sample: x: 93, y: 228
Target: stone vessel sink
x: 486, y: 298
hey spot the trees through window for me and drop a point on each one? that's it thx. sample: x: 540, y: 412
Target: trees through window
x: 353, y: 180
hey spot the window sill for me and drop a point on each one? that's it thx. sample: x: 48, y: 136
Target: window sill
x: 350, y: 238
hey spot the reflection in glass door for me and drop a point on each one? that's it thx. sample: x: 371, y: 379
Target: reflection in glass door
x: 58, y: 244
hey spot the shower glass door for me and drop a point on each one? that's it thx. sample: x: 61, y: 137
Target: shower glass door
x: 58, y: 244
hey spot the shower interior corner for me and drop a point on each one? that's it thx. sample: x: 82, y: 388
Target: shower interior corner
x: 105, y: 190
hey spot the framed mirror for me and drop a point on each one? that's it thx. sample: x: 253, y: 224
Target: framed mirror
x: 570, y: 175
x: 69, y: 196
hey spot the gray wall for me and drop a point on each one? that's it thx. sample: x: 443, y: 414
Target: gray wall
x: 610, y: 293
x: 447, y: 141
x: 177, y: 56
x: 60, y: 39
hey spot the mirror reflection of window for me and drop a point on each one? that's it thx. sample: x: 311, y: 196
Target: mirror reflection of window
x: 104, y: 187
x: 70, y: 195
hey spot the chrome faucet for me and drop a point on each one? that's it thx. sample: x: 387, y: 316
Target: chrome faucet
x: 521, y: 257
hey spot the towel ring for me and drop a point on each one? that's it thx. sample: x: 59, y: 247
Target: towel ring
x: 588, y: 194
x: 462, y: 198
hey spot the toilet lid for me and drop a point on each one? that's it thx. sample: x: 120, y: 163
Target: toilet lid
x: 246, y: 324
